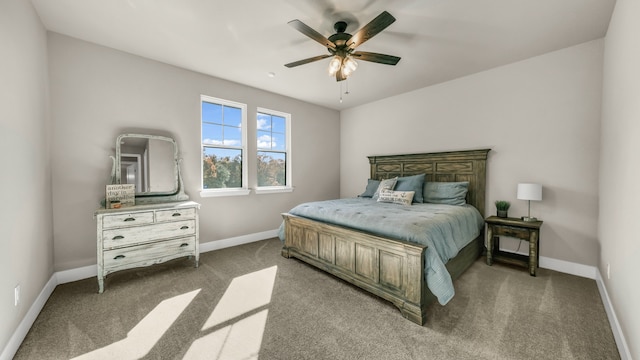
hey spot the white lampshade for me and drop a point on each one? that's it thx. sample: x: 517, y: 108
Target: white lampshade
x: 530, y: 192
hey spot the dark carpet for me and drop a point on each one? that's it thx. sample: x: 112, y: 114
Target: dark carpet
x: 293, y: 311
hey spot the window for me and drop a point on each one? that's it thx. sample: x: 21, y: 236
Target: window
x: 224, y: 142
x: 274, y: 151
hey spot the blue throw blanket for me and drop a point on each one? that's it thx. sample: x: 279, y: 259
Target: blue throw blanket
x: 445, y: 229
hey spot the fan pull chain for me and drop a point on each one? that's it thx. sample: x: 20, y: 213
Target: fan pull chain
x: 346, y: 81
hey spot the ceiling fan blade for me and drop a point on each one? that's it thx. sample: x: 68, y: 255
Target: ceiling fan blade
x: 305, y: 29
x: 375, y: 57
x: 306, y: 61
x: 371, y: 29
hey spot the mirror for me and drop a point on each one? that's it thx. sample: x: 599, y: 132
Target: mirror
x: 150, y: 162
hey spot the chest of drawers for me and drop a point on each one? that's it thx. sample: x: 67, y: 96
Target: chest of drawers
x: 144, y: 235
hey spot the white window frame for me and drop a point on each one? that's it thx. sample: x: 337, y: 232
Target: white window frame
x: 244, y: 190
x: 288, y: 162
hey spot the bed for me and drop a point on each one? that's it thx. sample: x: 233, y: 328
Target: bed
x: 384, y: 263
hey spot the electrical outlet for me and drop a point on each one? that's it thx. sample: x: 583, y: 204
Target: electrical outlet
x: 16, y: 295
x: 608, y: 271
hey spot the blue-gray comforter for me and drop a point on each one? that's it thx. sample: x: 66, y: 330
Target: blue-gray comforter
x: 445, y: 229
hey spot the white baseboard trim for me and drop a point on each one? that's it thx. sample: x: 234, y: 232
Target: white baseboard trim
x: 67, y: 276
x: 23, y: 328
x: 239, y: 240
x: 567, y: 267
x: 618, y: 335
x: 561, y: 265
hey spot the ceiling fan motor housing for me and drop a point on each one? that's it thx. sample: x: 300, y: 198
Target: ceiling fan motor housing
x: 340, y: 38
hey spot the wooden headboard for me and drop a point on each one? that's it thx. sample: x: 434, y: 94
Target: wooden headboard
x: 469, y: 165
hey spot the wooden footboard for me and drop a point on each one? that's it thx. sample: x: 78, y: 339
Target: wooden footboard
x: 391, y: 269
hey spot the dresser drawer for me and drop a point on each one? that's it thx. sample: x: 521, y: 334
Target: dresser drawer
x: 127, y: 219
x: 147, y: 233
x: 175, y: 214
x: 148, y: 254
x: 510, y: 231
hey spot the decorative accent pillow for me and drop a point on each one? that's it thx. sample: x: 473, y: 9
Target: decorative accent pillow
x: 396, y: 197
x: 451, y: 193
x: 411, y: 183
x: 387, y: 184
x: 372, y: 186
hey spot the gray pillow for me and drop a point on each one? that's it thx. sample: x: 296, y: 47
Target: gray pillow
x: 413, y: 183
x: 372, y: 186
x: 452, y: 193
x: 387, y: 184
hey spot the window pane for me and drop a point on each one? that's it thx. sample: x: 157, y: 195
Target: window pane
x: 271, y: 168
x: 277, y: 142
x: 212, y: 134
x: 221, y: 168
x: 264, y: 140
x: 264, y: 122
x: 278, y: 124
x: 211, y: 112
x: 232, y: 136
x: 232, y: 116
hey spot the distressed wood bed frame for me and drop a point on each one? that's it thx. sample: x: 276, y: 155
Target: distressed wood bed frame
x: 389, y: 268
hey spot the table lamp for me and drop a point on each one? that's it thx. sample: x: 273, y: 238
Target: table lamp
x: 529, y: 192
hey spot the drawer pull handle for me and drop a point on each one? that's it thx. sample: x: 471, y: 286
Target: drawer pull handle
x: 118, y: 237
x: 119, y: 257
x: 176, y: 214
x: 130, y: 219
x: 184, y: 227
x: 184, y: 244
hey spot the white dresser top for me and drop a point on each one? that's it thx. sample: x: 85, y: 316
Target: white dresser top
x: 164, y: 206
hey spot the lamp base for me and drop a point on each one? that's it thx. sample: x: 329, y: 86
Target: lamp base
x: 528, y: 219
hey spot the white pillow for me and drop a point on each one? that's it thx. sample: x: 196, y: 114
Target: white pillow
x: 396, y: 197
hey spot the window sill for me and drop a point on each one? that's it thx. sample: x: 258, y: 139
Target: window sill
x: 273, y: 190
x: 225, y: 192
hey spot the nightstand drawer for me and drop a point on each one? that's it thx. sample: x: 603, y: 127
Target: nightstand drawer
x: 503, y: 230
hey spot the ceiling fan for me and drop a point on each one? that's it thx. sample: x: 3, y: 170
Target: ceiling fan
x: 342, y: 45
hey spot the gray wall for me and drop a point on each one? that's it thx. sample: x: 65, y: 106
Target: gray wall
x: 619, y: 171
x: 540, y: 117
x: 26, y: 247
x: 98, y: 93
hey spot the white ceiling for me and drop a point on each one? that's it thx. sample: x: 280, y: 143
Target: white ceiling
x: 244, y: 40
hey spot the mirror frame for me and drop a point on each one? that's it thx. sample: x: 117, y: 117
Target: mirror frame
x: 177, y: 194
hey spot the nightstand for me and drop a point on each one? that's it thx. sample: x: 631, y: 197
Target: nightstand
x: 513, y: 227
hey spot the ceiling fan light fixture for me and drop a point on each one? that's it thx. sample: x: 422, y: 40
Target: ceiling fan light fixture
x: 350, y: 64
x: 334, y: 65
